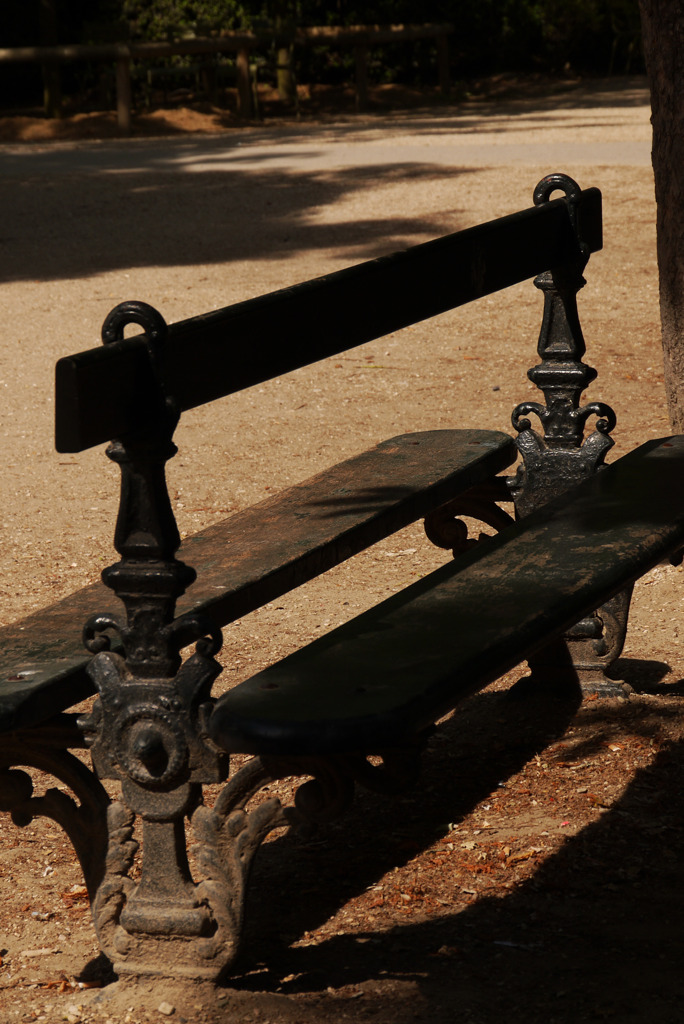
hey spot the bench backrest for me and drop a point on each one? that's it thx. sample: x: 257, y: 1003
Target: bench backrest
x: 131, y: 391
x: 113, y: 391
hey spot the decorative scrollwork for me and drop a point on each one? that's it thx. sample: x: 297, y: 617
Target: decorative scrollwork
x: 150, y: 745
x: 115, y: 886
x: 188, y: 628
x: 521, y: 412
x: 46, y: 749
x: 230, y: 834
x: 95, y: 638
x: 605, y: 423
x: 445, y: 529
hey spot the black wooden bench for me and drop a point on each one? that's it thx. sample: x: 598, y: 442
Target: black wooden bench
x: 551, y: 587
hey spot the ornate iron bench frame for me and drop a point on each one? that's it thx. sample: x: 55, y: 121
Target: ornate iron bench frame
x: 153, y: 727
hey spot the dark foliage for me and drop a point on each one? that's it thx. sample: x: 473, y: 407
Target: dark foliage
x: 490, y: 36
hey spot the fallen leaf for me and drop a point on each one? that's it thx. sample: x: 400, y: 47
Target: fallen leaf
x: 516, y: 858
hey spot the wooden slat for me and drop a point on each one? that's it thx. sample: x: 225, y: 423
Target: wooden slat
x: 107, y: 392
x: 394, y: 670
x: 258, y: 554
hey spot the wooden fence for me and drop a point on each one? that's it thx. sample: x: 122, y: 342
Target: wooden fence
x: 242, y: 44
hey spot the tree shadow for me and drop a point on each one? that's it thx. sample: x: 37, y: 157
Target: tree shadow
x: 80, y: 209
x: 67, y: 215
x: 594, y: 934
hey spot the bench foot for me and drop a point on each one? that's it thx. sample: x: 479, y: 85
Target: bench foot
x: 579, y: 662
x: 568, y: 685
x: 168, y: 925
x: 601, y: 685
x: 593, y: 646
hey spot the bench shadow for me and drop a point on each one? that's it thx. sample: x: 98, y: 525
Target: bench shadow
x: 309, y: 876
x: 644, y: 676
x: 594, y: 934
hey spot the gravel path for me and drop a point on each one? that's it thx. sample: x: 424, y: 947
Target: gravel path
x: 198, y: 222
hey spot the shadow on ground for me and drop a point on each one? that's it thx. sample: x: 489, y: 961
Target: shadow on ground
x: 594, y: 934
x: 90, y: 221
x: 74, y: 209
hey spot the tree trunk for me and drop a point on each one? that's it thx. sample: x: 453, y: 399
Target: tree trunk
x: 663, y: 35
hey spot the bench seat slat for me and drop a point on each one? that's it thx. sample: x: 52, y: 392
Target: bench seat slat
x: 380, y: 678
x: 258, y: 554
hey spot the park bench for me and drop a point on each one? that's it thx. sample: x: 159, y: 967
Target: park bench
x: 355, y: 706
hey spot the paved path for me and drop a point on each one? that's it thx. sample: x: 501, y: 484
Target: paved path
x: 610, y: 129
x: 209, y: 153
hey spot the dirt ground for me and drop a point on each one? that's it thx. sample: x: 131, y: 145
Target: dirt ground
x: 534, y: 874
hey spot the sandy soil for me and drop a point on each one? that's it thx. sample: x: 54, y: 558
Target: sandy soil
x: 533, y: 876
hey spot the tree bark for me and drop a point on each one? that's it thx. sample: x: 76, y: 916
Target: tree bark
x: 663, y: 35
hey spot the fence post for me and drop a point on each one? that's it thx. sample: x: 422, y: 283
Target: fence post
x: 123, y: 93
x: 244, y: 85
x: 52, y: 89
x: 209, y: 77
x: 361, y: 54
